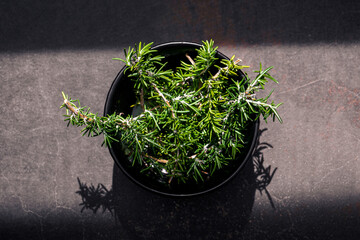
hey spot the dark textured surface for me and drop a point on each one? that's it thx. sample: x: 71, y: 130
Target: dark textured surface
x: 49, y: 47
x: 28, y: 24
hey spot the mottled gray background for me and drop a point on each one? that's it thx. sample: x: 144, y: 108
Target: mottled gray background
x: 51, y: 46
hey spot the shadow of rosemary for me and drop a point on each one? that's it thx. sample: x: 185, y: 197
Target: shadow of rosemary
x: 95, y: 198
x: 263, y: 176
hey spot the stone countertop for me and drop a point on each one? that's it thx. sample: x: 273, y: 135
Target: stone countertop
x: 65, y: 46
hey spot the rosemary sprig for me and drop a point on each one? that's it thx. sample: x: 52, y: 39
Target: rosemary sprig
x: 193, y: 119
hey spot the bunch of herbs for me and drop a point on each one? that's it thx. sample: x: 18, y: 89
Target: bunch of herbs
x: 192, y: 119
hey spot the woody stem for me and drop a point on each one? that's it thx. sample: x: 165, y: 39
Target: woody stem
x: 75, y: 110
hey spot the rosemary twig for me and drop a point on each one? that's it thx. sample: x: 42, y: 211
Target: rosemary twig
x: 156, y: 159
x: 190, y: 59
x: 75, y: 110
x: 165, y: 100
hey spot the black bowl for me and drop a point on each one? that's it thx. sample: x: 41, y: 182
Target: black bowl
x: 121, y: 96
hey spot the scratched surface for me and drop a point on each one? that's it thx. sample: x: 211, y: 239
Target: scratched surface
x: 46, y: 48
